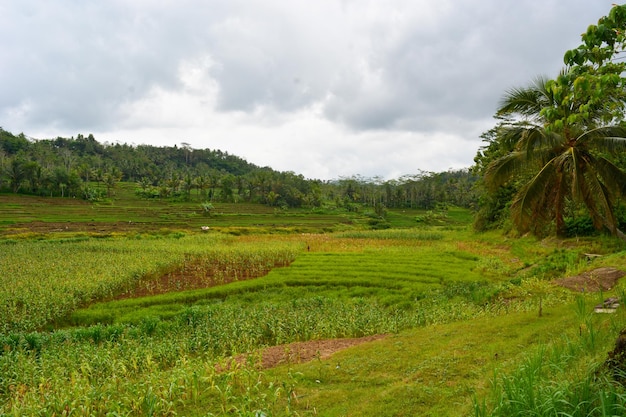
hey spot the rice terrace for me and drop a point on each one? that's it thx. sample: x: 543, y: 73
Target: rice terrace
x: 289, y: 313
x: 171, y: 281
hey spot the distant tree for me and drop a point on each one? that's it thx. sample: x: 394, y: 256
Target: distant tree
x: 272, y: 198
x: 85, y: 171
x: 202, y: 184
x: 110, y: 179
x: 173, y: 183
x: 63, y: 181
x: 12, y: 144
x: 227, y: 184
x: 16, y: 173
x: 188, y: 184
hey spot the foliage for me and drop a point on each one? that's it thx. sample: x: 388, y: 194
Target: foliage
x: 167, y: 353
x: 54, y: 278
x: 207, y: 208
x: 492, y: 205
x: 556, y: 150
x: 563, y: 377
x: 82, y: 167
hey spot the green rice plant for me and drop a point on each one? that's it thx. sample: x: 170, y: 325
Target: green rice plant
x: 41, y: 281
x: 395, y: 234
x: 389, y: 276
x: 115, y: 357
x: 557, y: 263
x: 166, y: 353
x: 108, y: 356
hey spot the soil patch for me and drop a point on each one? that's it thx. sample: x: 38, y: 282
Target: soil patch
x: 76, y: 227
x: 600, y: 279
x: 191, y: 278
x: 298, y: 352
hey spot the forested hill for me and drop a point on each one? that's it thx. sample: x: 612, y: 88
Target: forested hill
x: 135, y: 162
x: 85, y: 168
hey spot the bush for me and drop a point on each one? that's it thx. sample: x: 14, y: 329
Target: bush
x: 580, y: 226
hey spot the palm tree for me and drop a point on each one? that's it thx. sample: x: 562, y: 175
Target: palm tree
x: 557, y: 163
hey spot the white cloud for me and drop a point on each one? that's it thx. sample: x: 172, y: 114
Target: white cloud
x: 327, y: 88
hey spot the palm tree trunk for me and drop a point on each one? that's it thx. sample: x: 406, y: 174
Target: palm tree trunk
x: 559, y: 210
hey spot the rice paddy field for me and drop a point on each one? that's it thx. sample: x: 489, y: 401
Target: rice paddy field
x: 315, y: 317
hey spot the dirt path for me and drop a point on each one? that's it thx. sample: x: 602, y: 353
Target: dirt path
x: 300, y: 352
x: 600, y: 279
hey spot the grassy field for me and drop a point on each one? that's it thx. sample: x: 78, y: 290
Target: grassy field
x: 111, y: 319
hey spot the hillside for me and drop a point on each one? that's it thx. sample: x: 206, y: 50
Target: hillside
x: 83, y: 168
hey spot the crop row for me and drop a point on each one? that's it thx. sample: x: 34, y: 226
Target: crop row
x: 160, y: 354
x: 390, y: 276
x: 89, y: 365
x: 397, y: 273
x: 41, y: 281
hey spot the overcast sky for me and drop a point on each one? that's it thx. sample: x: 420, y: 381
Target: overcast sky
x: 324, y: 88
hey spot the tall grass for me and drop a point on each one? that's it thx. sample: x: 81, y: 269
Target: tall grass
x: 42, y: 281
x: 402, y: 234
x: 397, y: 277
x: 85, y: 367
x: 568, y: 377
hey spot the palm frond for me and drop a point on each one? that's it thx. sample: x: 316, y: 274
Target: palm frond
x: 521, y: 101
x: 612, y: 176
x: 526, y: 101
x: 528, y: 204
x: 536, y: 139
x: 573, y: 163
x: 612, y: 144
x: 503, y: 169
x: 610, y: 139
x: 510, y: 135
x: 597, y: 198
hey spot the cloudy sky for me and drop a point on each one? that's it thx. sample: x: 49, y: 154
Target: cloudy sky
x: 324, y: 88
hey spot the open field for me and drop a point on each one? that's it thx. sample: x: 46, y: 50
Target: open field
x: 114, y: 321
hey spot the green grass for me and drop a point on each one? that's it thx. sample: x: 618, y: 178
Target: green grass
x: 390, y: 275
x: 460, y: 312
x: 43, y: 281
x: 434, y: 371
x: 155, y: 214
x: 125, y: 210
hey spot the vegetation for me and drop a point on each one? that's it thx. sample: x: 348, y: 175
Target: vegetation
x: 147, y: 323
x: 567, y: 162
x: 168, y: 288
x: 83, y: 168
x: 559, y: 140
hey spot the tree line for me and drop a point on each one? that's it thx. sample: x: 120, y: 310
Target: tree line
x: 82, y: 167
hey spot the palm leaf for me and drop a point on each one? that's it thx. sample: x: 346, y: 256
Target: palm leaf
x: 528, y: 203
x: 612, y: 176
x: 526, y: 101
x: 503, y: 169
x: 610, y: 139
x: 573, y: 162
x: 597, y: 198
x: 539, y: 139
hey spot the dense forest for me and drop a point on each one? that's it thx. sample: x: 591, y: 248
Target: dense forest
x: 82, y: 167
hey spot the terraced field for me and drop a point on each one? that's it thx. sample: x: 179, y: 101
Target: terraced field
x: 175, y: 321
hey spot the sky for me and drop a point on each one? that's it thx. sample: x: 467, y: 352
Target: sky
x: 325, y: 88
